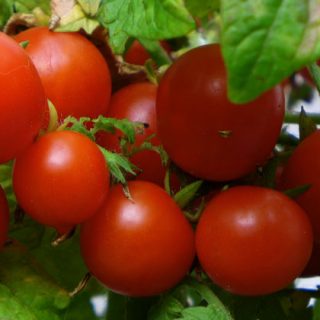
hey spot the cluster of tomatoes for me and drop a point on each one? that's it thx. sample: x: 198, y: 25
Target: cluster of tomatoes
x: 249, y: 240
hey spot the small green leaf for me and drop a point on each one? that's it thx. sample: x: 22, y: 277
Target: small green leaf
x: 297, y: 191
x: 306, y: 125
x: 158, y: 54
x: 202, y: 8
x: 314, y: 70
x: 28, y: 6
x: 152, y: 19
x: 265, y: 41
x: 188, y: 193
x: 118, y: 165
x: 203, y: 313
x: 78, y: 125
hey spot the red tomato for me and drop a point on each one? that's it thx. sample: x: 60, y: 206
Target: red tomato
x: 202, y: 131
x: 303, y: 168
x: 253, y: 240
x: 4, y: 217
x: 136, y: 102
x: 137, y: 54
x: 74, y: 74
x: 22, y: 102
x: 62, y: 179
x: 138, y: 247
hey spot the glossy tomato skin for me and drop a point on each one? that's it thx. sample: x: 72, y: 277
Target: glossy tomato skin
x: 138, y: 247
x: 136, y: 102
x: 74, y: 74
x: 253, y: 241
x: 22, y: 102
x: 4, y: 218
x: 61, y: 180
x: 202, y: 131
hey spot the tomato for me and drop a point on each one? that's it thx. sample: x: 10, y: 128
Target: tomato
x: 137, y: 54
x: 74, y: 73
x: 22, y: 102
x: 61, y: 180
x: 303, y: 168
x: 202, y: 131
x: 136, y: 102
x: 4, y: 218
x: 253, y: 241
x: 138, y: 247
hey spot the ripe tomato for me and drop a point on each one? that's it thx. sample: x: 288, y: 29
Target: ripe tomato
x: 4, y: 217
x: 22, y: 102
x: 202, y: 131
x: 137, y: 54
x: 138, y: 247
x: 61, y: 180
x: 74, y: 74
x: 303, y: 168
x: 253, y: 241
x: 136, y: 102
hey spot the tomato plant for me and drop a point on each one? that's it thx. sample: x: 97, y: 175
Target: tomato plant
x: 61, y: 180
x: 4, y: 217
x: 141, y: 246
x: 202, y: 131
x: 74, y: 74
x: 136, y: 102
x: 22, y: 102
x: 243, y: 245
x: 137, y: 54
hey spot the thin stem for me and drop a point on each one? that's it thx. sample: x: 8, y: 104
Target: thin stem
x: 293, y: 118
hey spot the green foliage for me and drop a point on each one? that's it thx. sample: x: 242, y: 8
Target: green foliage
x: 202, y: 8
x: 265, y: 41
x: 151, y: 20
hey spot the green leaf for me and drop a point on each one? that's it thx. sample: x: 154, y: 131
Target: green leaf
x: 314, y: 70
x: 202, y: 8
x: 27, y: 6
x: 127, y: 308
x: 6, y: 10
x: 30, y: 285
x: 152, y: 19
x: 297, y: 191
x: 118, y: 165
x: 203, y: 313
x: 158, y: 54
x: 306, y: 125
x: 265, y: 41
x: 168, y: 308
x: 188, y: 193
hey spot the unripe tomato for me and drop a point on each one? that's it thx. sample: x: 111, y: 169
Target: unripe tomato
x: 22, y: 100
x: 61, y: 180
x: 136, y: 102
x: 74, y: 73
x: 141, y: 246
x: 202, y: 131
x: 253, y: 241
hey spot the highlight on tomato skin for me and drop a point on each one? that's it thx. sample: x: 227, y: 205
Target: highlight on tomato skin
x: 253, y: 240
x: 203, y: 132
x: 141, y: 246
x: 136, y: 102
x: 75, y: 75
x: 61, y: 180
x: 22, y: 100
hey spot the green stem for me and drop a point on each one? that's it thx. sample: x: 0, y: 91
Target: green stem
x: 293, y: 118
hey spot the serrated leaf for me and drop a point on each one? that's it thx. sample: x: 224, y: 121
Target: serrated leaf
x: 306, y: 125
x: 30, y: 285
x: 188, y: 193
x: 152, y: 19
x: 118, y: 165
x: 265, y: 41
